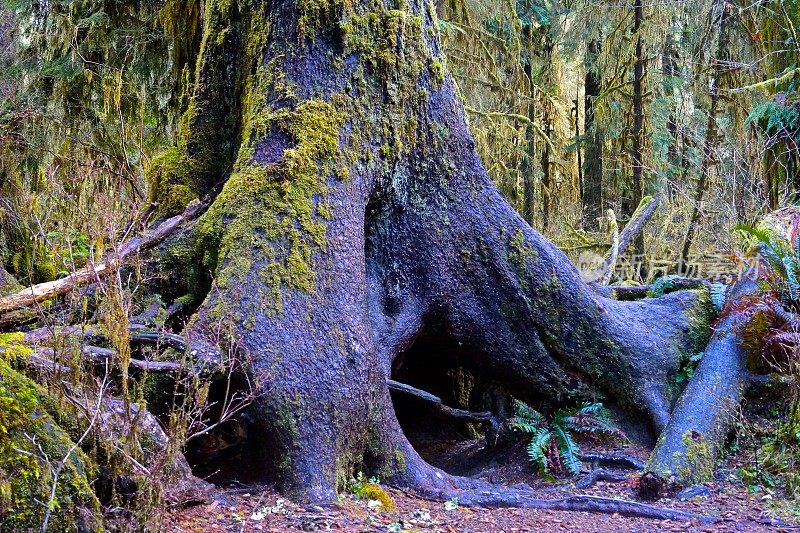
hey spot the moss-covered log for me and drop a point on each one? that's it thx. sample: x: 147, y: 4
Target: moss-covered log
x: 688, y: 448
x: 34, y: 449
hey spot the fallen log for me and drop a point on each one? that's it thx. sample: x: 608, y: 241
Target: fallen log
x: 688, y: 448
x: 94, y: 272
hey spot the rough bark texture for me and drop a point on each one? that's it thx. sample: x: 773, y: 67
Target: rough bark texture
x: 357, y: 218
x: 688, y: 449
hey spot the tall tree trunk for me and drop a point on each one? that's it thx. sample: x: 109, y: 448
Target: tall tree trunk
x: 592, y: 183
x: 358, y: 218
x: 528, y: 177
x: 669, y: 66
x: 720, y: 64
x: 637, y: 132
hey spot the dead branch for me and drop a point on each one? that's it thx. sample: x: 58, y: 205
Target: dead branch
x: 635, y: 226
x: 44, y: 358
x: 484, y: 417
x: 599, y: 474
x: 94, y: 272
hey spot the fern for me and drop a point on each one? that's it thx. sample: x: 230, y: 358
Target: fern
x: 790, y: 268
x: 589, y: 418
x: 661, y: 286
x: 552, y: 447
x: 537, y: 448
x: 526, y: 419
x: 781, y: 258
x: 568, y: 449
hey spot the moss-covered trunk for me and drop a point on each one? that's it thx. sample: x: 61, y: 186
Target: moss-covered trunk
x: 355, y: 216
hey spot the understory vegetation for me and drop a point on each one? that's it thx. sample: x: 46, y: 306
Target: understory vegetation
x: 552, y: 447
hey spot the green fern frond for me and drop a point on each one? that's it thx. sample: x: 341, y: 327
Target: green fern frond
x: 797, y: 248
x: 537, y: 448
x: 568, y: 448
x: 591, y: 418
x: 719, y: 294
x: 526, y: 416
x: 753, y: 235
x: 661, y: 286
x: 773, y: 257
x: 792, y: 284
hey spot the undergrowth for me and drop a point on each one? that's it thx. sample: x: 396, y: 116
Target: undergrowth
x: 552, y: 447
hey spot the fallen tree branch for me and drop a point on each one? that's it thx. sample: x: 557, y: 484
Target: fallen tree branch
x: 599, y: 474
x: 484, y: 417
x: 199, y: 350
x: 94, y: 272
x: 44, y: 358
x: 635, y: 226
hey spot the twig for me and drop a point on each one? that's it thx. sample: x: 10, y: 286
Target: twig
x: 75, y: 445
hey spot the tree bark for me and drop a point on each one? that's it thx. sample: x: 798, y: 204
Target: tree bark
x: 359, y: 217
x: 592, y: 185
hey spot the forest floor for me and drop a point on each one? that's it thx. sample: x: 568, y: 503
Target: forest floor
x: 248, y: 509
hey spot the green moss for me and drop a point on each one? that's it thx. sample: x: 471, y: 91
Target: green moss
x: 31, y: 446
x: 699, y: 318
x: 697, y: 466
x: 170, y: 181
x: 313, y: 15
x: 272, y: 210
x: 437, y: 72
x: 13, y: 347
x: 371, y: 491
x: 400, y: 460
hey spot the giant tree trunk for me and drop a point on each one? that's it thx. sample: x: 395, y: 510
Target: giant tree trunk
x: 358, y: 217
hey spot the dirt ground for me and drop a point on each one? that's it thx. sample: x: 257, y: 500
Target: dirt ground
x: 245, y: 509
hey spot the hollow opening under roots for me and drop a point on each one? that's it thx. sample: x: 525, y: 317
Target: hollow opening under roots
x: 439, y: 365
x: 227, y: 452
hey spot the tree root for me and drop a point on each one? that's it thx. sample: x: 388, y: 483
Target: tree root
x: 599, y: 474
x: 512, y: 497
x: 616, y: 460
